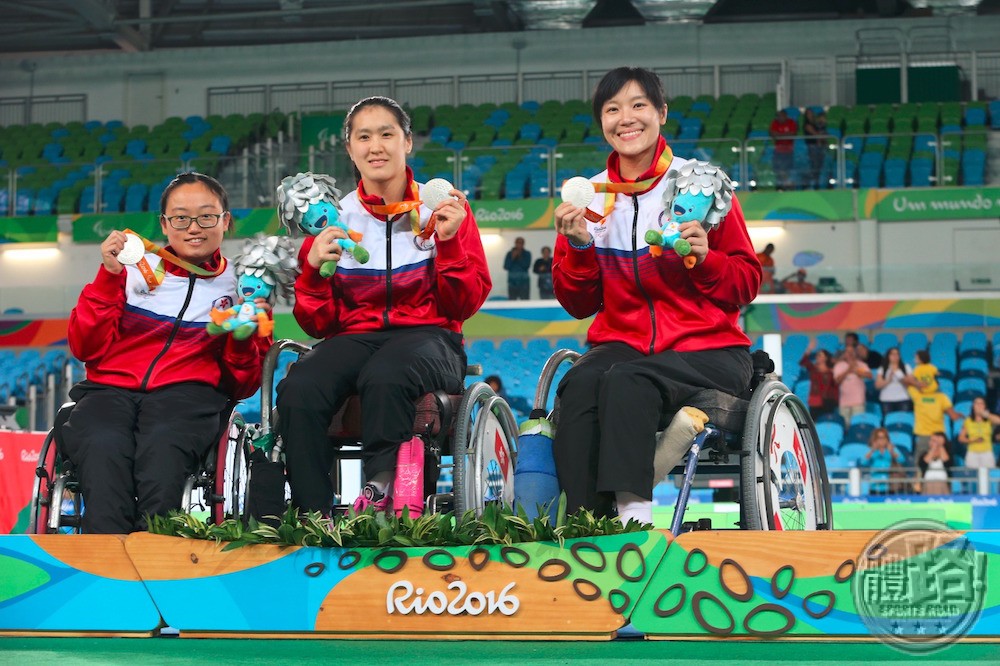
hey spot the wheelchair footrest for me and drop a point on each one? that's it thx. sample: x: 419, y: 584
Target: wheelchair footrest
x: 441, y: 502
x: 699, y: 525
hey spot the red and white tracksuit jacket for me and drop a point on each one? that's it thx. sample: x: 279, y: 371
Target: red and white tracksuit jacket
x: 655, y: 303
x: 134, y: 338
x: 406, y: 282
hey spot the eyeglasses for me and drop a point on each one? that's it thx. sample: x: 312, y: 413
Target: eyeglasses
x: 205, y: 220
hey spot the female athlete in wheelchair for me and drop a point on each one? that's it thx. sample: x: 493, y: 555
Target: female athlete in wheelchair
x: 665, y: 325
x: 157, y: 383
x: 389, y: 318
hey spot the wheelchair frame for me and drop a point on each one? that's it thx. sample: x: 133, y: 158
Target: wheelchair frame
x: 220, y: 492
x: 783, y: 479
x: 482, y: 417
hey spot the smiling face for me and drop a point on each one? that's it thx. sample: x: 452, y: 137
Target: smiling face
x: 631, y: 124
x: 378, y: 146
x: 194, y: 244
x: 318, y: 217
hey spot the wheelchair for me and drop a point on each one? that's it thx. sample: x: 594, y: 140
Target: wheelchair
x: 217, y: 486
x: 765, y: 438
x: 477, y: 429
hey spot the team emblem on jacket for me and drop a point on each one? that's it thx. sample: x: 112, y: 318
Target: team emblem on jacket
x: 424, y: 244
x: 223, y: 303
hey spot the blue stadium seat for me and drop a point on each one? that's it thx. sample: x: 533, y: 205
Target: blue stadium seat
x: 912, y: 342
x: 851, y: 453
x: 902, y: 440
x: 883, y: 342
x: 831, y: 434
x: 972, y: 340
x: 902, y: 421
x: 829, y: 341
x: 973, y: 366
x: 866, y: 418
x: 858, y: 433
x: 921, y: 170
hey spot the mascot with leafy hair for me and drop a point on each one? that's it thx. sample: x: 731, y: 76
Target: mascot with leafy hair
x: 310, y: 202
x: 266, y: 268
x: 697, y: 191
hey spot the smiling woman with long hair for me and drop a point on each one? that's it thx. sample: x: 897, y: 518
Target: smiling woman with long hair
x: 390, y: 330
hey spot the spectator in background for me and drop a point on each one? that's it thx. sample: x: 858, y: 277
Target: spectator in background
x: 496, y: 384
x: 977, y: 435
x: 823, y: 393
x: 543, y: 269
x: 516, y: 263
x: 929, y: 404
x: 880, y: 458
x: 934, y: 465
x: 814, y: 127
x: 850, y: 373
x: 891, y: 380
x: 782, y: 128
x: 872, y: 358
x: 767, y: 266
x: 796, y: 283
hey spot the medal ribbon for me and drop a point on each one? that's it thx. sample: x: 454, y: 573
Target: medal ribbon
x: 407, y: 207
x: 154, y: 278
x: 611, y: 189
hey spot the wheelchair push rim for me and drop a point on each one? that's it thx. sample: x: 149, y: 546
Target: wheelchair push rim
x: 485, y: 451
x: 784, y: 482
x: 41, y: 494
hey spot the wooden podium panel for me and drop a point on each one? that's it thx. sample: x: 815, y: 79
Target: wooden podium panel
x: 71, y: 584
x: 909, y: 585
x: 583, y: 590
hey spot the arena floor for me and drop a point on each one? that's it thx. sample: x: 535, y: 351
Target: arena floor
x: 93, y: 651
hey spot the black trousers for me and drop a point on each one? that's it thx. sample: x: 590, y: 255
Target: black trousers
x: 133, y: 451
x: 389, y: 370
x: 610, y: 407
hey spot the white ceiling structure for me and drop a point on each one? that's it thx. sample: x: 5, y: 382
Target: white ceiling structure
x: 33, y: 26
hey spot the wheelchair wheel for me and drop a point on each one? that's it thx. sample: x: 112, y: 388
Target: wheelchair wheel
x: 41, y: 494
x: 230, y: 478
x: 783, y: 481
x: 484, y: 449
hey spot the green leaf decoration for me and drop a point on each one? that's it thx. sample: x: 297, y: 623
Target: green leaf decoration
x: 498, y: 525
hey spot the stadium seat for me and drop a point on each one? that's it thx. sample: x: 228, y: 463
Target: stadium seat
x: 902, y: 440
x: 851, y: 453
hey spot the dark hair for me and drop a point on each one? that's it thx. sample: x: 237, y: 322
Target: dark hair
x: 923, y: 356
x: 851, y: 335
x: 378, y: 100
x: 885, y: 360
x: 189, y: 179
x: 495, y: 378
x: 616, y: 79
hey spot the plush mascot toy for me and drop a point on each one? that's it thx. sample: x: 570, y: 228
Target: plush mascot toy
x: 310, y: 202
x: 698, y: 191
x: 266, y: 265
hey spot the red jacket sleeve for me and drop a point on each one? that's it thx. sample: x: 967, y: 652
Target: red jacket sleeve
x: 463, y: 276
x: 315, y: 308
x: 576, y: 279
x: 242, y: 361
x: 93, y: 323
x: 731, y: 272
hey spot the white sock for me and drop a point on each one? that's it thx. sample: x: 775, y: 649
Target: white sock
x: 383, y: 482
x: 632, y: 506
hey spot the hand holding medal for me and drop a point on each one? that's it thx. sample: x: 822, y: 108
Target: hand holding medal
x: 448, y: 205
x: 121, y: 249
